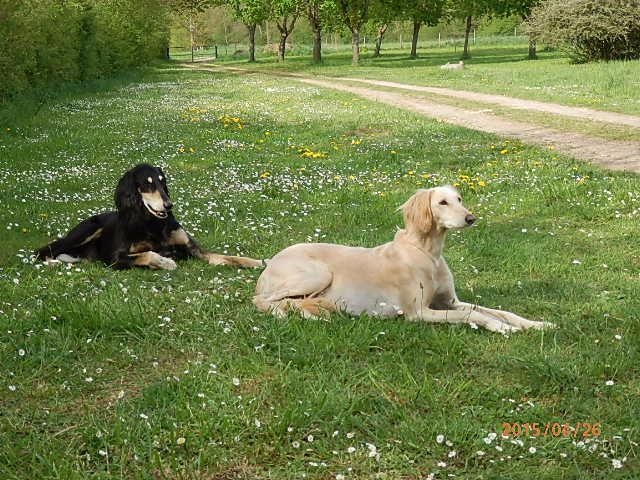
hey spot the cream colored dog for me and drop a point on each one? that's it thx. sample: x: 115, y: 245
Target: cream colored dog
x: 407, y: 276
x: 453, y: 66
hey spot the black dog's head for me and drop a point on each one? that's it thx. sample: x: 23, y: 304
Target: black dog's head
x: 144, y: 188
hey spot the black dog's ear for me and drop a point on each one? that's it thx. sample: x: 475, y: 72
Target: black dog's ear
x: 126, y: 193
x: 163, y: 181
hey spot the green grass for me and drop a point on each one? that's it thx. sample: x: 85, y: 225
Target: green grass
x: 564, y: 123
x: 493, y: 68
x: 105, y: 373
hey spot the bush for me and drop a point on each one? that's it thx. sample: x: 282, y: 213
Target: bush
x: 49, y: 42
x: 589, y: 29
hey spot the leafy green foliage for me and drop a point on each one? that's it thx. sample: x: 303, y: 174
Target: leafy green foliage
x: 250, y: 12
x: 47, y: 42
x: 428, y: 12
x: 590, y: 29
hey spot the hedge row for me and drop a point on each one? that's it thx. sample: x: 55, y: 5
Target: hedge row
x: 45, y: 42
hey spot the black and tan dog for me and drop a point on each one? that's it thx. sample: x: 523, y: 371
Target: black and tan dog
x: 142, y: 232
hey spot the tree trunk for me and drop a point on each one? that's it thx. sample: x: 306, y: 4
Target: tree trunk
x: 282, y: 46
x: 355, y: 44
x: 285, y: 29
x: 317, y: 45
x: 467, y: 31
x: 414, y: 39
x: 313, y: 15
x: 533, y: 53
x: 381, y: 31
x: 252, y: 41
x: 191, y: 41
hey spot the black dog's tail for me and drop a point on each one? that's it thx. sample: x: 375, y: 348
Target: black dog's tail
x: 72, y: 244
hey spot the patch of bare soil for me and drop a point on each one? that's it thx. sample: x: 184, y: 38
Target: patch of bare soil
x: 517, y: 103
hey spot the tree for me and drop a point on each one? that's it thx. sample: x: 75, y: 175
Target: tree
x: 285, y: 13
x: 250, y: 13
x: 318, y: 12
x: 382, y: 13
x: 467, y: 9
x: 422, y: 12
x: 314, y: 9
x: 354, y: 15
x: 523, y: 9
x: 188, y: 13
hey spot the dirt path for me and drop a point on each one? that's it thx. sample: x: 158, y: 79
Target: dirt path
x: 518, y: 103
x: 612, y: 154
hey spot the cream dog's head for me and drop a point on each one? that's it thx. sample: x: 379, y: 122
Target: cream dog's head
x: 436, y: 208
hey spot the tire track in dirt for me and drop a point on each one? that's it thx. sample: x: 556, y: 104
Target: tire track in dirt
x: 511, y: 102
x: 611, y: 154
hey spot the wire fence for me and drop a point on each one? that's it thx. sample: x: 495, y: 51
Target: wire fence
x: 241, y: 50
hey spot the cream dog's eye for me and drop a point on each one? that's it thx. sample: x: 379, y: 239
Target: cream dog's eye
x: 443, y: 202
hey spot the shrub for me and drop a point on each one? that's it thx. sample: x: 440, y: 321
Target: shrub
x: 48, y: 42
x: 589, y: 29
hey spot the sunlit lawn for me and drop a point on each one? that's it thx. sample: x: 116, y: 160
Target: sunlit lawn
x: 146, y: 374
x: 492, y: 68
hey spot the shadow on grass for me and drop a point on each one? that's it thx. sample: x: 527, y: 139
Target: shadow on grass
x: 397, y: 59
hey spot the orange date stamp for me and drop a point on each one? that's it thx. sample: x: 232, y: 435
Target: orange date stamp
x: 551, y: 429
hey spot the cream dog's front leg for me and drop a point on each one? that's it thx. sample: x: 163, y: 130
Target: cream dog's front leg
x: 468, y: 316
x: 507, y: 317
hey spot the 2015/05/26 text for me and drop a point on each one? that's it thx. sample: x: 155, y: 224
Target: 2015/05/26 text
x: 554, y: 429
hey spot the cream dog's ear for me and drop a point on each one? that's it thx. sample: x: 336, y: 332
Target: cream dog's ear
x: 417, y: 212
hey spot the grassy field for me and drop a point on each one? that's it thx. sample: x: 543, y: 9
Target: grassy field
x: 493, y: 68
x: 558, y: 122
x: 153, y: 375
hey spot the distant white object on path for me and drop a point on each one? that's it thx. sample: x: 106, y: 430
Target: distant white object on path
x: 453, y: 66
